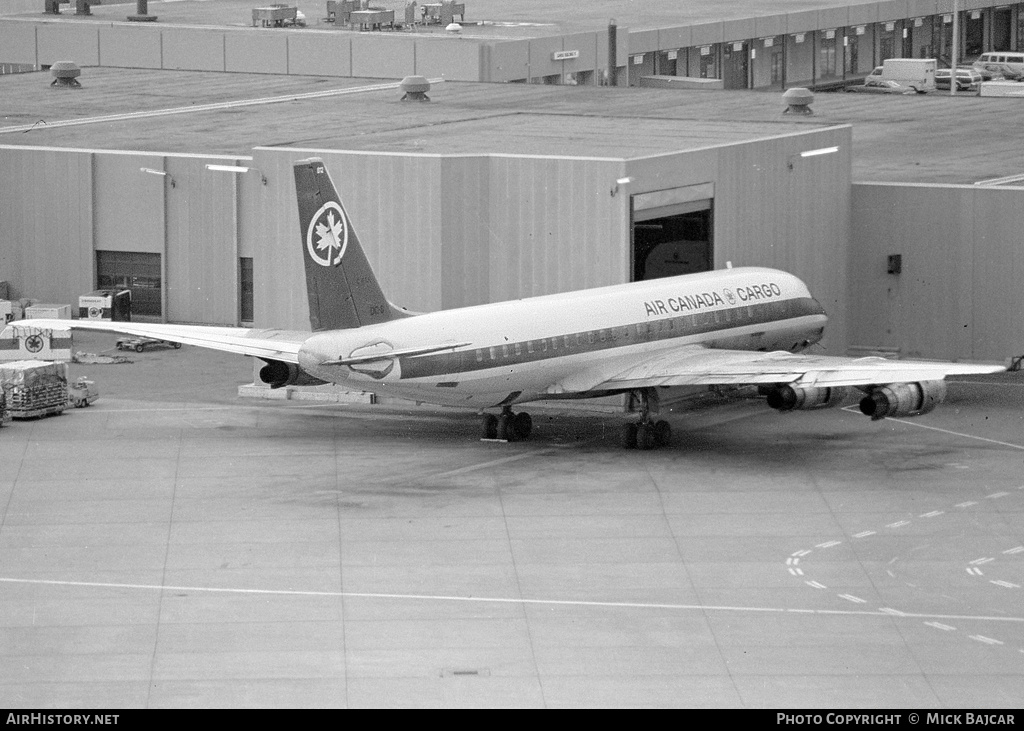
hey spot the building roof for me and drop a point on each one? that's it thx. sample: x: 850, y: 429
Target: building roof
x: 930, y: 138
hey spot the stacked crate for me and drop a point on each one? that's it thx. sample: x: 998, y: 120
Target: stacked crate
x: 34, y: 388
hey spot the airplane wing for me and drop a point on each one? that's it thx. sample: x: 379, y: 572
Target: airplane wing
x: 282, y: 345
x: 700, y: 366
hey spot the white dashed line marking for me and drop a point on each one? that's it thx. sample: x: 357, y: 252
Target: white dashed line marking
x: 1007, y: 584
x: 829, y: 544
x: 815, y: 585
x: 854, y: 599
x: 898, y: 524
x: 864, y: 534
x: 975, y: 572
x: 986, y: 640
x: 980, y: 561
x: 967, y: 504
x: 932, y: 514
x: 996, y: 495
x: 940, y: 625
x: 799, y: 554
x: 893, y: 612
x: 1011, y: 551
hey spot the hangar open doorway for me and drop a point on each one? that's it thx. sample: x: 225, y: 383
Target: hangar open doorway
x: 672, y: 232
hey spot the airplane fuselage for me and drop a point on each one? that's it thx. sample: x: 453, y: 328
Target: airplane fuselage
x: 557, y: 346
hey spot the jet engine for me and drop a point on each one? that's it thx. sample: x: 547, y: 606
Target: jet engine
x: 278, y: 374
x: 789, y: 398
x: 903, y: 399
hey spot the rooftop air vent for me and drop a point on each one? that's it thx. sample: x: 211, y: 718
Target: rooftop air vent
x: 415, y: 88
x: 799, y: 101
x: 65, y: 75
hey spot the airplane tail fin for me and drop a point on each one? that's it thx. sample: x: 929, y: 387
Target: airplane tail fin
x: 343, y: 290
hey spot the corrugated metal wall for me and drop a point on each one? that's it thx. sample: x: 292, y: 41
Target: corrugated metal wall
x: 448, y: 231
x: 959, y: 294
x: 46, y: 214
x: 61, y: 206
x: 322, y: 53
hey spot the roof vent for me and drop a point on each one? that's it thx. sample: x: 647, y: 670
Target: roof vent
x: 65, y: 75
x: 415, y: 88
x: 799, y: 100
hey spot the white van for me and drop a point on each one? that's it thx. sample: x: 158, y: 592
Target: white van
x: 1011, y: 59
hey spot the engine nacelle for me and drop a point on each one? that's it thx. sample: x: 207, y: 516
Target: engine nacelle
x: 277, y: 373
x: 790, y: 398
x: 903, y: 399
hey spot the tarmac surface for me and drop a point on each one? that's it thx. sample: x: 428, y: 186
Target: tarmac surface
x: 175, y: 546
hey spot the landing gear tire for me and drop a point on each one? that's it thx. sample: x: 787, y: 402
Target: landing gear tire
x: 662, y: 433
x: 645, y: 436
x: 506, y: 428
x: 489, y: 423
x: 629, y: 436
x: 523, y: 425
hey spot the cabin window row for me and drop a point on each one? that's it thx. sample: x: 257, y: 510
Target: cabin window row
x: 653, y: 330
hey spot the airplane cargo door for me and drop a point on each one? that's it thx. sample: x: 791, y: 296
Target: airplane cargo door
x: 672, y: 232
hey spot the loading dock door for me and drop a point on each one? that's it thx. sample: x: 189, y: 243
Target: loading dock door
x: 672, y: 232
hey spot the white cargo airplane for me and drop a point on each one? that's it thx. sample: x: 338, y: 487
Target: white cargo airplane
x: 734, y: 326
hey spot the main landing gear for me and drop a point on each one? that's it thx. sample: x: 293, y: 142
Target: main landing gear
x: 508, y: 427
x: 646, y: 433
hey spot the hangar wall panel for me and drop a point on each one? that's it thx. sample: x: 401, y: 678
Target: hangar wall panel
x: 959, y: 294
x: 739, y: 29
x: 278, y: 277
x: 201, y: 261
x: 394, y: 202
x: 130, y: 47
x: 256, y: 53
x: 320, y: 55
x: 69, y: 42
x: 508, y: 61
x: 556, y: 228
x: 796, y: 220
x: 188, y: 49
x: 678, y: 37
x: 375, y: 56
x: 589, y: 49
x: 466, y: 238
x: 892, y: 10
x: 18, y: 43
x: 46, y: 200
x: 452, y: 58
x: 770, y: 25
x: 129, y: 203
x: 707, y: 34
x: 541, y: 50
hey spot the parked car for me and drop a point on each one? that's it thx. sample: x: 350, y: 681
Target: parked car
x: 966, y: 79
x: 998, y: 71
x: 139, y: 344
x: 875, y: 85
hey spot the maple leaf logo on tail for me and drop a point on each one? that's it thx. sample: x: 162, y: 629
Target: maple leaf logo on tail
x: 327, y: 236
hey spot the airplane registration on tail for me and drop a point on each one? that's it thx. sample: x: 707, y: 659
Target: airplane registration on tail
x: 739, y: 326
